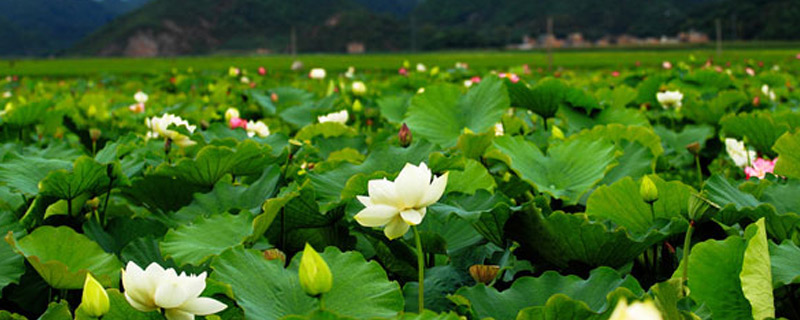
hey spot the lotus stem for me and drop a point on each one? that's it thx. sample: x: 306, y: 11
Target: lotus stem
x: 687, y: 242
x: 699, y: 172
x: 421, y: 271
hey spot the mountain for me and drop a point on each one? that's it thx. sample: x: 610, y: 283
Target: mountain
x: 174, y: 27
x: 43, y: 27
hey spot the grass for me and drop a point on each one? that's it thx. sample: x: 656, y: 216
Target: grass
x: 568, y: 59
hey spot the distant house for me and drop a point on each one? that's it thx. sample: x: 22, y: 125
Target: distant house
x: 576, y: 40
x: 355, y: 47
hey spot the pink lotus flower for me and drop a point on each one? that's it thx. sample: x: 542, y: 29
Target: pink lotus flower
x: 526, y: 69
x: 797, y: 56
x: 475, y: 79
x: 666, y: 65
x: 760, y: 168
x: 403, y: 71
x: 136, y: 108
x: 750, y: 71
x: 237, y: 123
x: 262, y: 71
x: 513, y: 77
x: 615, y: 74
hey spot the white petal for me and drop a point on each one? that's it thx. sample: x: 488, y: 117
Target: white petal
x: 139, y: 286
x: 413, y: 217
x: 175, y: 314
x: 383, y: 191
x: 396, y: 228
x: 193, y: 285
x: 364, y: 200
x: 170, y: 294
x: 203, y: 306
x: 435, y: 191
x: 376, y: 215
x: 138, y: 305
x: 412, y: 184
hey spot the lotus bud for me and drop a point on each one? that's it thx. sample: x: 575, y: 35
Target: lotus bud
x: 405, y: 136
x: 697, y: 207
x: 231, y: 113
x: 483, y: 273
x: 273, y: 97
x: 315, y: 276
x: 274, y: 254
x: 94, y: 133
x: 262, y: 71
x: 357, y: 107
x: 637, y: 311
x: 359, y: 88
x: 694, y: 148
x: 95, y: 300
x: 93, y: 203
x: 557, y: 133
x: 648, y: 190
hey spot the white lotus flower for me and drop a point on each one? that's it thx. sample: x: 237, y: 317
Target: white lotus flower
x: 159, y: 127
x: 636, y: 311
x: 158, y: 288
x: 351, y: 72
x: 340, y: 117
x: 231, y: 113
x: 257, y: 128
x: 317, y: 74
x: 768, y: 92
x: 421, y: 67
x: 670, y: 99
x: 467, y: 83
x: 359, y: 88
x: 7, y: 94
x: 244, y: 80
x: 140, y: 97
x: 738, y: 153
x: 402, y: 203
x: 498, y: 129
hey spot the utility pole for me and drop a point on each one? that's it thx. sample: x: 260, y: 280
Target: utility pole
x: 718, y: 24
x: 293, y: 43
x: 549, y: 43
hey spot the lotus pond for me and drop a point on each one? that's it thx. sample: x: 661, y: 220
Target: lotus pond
x: 669, y: 192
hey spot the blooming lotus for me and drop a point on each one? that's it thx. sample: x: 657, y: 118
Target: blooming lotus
x: 498, y: 129
x: 231, y: 113
x: 178, y: 295
x: 136, y: 107
x: 421, y: 68
x: 670, y: 99
x: 359, y: 88
x: 666, y: 65
x: 402, y: 71
x: 740, y: 156
x: 768, y: 92
x: 140, y: 97
x: 159, y: 127
x: 317, y: 74
x: 760, y: 168
x: 339, y: 117
x: 750, y: 71
x: 262, y: 71
x: 351, y: 72
x: 636, y: 311
x: 234, y: 123
x: 401, y: 203
x: 256, y: 128
x: 233, y: 71
x: 244, y: 80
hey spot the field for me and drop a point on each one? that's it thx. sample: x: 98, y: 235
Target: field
x: 461, y: 185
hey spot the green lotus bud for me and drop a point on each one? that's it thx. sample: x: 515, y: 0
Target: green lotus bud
x: 648, y: 190
x: 357, y: 106
x: 483, y: 273
x: 95, y: 301
x: 557, y: 133
x: 315, y: 276
x: 94, y: 134
x: 697, y: 207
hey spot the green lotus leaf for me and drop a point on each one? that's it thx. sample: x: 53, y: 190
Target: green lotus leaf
x: 561, y: 238
x: 208, y: 236
x: 214, y: 162
x: 785, y: 260
x: 440, y: 114
x: 57, y: 311
x: 474, y: 177
x: 393, y: 108
x: 266, y: 290
x: 550, y: 292
x: 675, y: 142
x: 756, y: 275
x: 622, y: 203
x: 544, y: 99
x: 12, y: 265
x: 710, y: 112
x: 87, y: 176
x: 326, y: 130
x: 788, y: 149
x: 62, y: 257
x: 486, y: 212
x: 28, y: 114
x: 568, y: 170
x: 23, y: 173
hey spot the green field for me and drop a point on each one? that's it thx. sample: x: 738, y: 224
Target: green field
x: 583, y: 59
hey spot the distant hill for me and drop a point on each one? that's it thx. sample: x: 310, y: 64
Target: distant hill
x: 43, y: 27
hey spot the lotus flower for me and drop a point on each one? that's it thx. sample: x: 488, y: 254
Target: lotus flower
x: 231, y: 113
x: 670, y: 99
x: 760, y: 168
x: 498, y: 129
x: 402, y: 203
x: 468, y: 83
x: 768, y: 92
x: 136, y: 107
x: 421, y: 68
x: 159, y: 127
x: 351, y: 72
x: 636, y: 311
x: 666, y: 65
x: 94, y: 300
x: 244, y: 79
x: 402, y: 71
x: 339, y: 117
x: 256, y: 128
x: 233, y: 71
x: 750, y: 71
x: 140, y: 97
x: 7, y: 94
x: 178, y: 295
x: 359, y: 88
x: 262, y: 71
x: 317, y: 74
x: 234, y: 123
x: 740, y: 156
